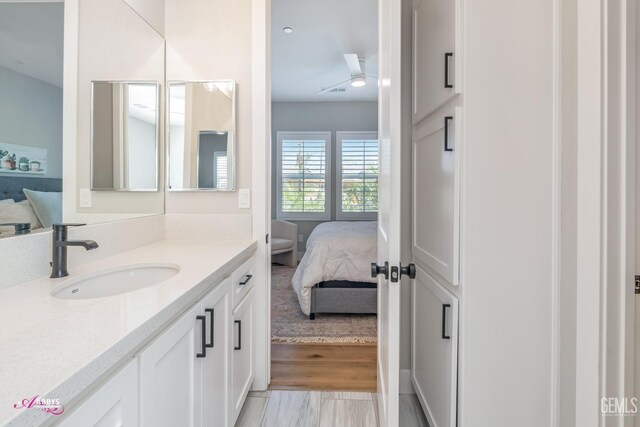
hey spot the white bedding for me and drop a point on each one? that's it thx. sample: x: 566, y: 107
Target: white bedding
x: 336, y: 251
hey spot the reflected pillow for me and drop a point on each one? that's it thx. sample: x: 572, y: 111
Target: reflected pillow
x: 7, y: 202
x: 47, y: 205
x: 18, y: 212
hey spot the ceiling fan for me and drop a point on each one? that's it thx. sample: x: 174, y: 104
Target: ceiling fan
x: 358, y: 75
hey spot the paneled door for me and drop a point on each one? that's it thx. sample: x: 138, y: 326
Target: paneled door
x: 389, y: 209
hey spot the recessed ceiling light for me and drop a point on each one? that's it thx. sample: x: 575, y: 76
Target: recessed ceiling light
x: 287, y: 30
x: 358, y: 81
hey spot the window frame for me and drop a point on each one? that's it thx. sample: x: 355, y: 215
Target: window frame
x: 304, y: 216
x: 347, y: 135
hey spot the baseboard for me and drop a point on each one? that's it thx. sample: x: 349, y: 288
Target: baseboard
x: 405, y: 382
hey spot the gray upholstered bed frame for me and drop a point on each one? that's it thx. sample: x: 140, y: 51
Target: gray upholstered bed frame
x: 11, y: 186
x: 338, y: 296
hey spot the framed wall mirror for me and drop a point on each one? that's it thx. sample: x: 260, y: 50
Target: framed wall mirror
x: 201, y: 134
x: 124, y: 136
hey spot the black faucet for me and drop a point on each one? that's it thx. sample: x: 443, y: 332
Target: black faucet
x: 60, y: 245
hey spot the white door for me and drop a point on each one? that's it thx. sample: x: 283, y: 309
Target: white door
x: 435, y: 349
x: 242, y: 358
x: 114, y: 404
x: 434, y: 32
x: 436, y: 194
x: 170, y: 374
x: 389, y: 203
x: 215, y: 366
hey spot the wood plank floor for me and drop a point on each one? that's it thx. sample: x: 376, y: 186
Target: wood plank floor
x: 350, y: 367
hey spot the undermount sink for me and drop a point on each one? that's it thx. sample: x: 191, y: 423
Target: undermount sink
x: 114, y: 281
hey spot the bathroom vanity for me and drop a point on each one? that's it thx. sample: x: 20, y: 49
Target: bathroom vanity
x: 179, y: 352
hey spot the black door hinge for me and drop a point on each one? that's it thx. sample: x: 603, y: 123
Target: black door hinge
x: 267, y: 238
x: 637, y: 284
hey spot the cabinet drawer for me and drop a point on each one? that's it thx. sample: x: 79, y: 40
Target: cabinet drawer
x: 243, y: 280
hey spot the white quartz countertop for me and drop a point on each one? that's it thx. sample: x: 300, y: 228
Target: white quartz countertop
x: 57, y: 348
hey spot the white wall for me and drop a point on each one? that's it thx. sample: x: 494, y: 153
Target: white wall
x: 211, y: 40
x: 102, y: 32
x: 318, y: 116
x: 510, y: 214
x: 31, y: 114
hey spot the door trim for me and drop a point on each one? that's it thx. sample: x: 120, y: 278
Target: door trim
x: 261, y: 187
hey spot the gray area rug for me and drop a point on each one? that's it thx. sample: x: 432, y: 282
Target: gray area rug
x: 289, y: 324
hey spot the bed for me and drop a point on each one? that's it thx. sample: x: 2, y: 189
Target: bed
x: 334, y: 275
x: 43, y: 208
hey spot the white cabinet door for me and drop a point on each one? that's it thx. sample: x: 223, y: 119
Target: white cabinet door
x: 114, y: 404
x: 215, y: 366
x: 242, y: 359
x: 437, y: 148
x: 435, y: 349
x: 170, y: 374
x: 434, y: 55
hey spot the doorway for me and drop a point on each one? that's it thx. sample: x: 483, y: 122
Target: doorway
x: 324, y: 174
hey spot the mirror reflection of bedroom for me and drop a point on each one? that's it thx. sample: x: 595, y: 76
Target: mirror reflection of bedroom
x: 324, y: 195
x: 31, y: 56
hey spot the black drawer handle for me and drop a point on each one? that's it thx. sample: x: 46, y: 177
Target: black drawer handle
x: 444, y: 321
x: 239, y: 322
x: 203, y: 353
x: 447, y: 58
x: 246, y: 280
x: 447, y: 119
x: 211, y: 325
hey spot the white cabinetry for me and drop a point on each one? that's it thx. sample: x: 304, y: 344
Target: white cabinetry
x: 436, y: 194
x: 437, y: 155
x: 242, y: 352
x: 197, y: 372
x: 184, y: 373
x: 435, y: 349
x: 115, y: 403
x: 436, y: 55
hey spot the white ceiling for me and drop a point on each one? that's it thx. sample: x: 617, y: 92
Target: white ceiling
x: 31, y: 39
x: 312, y: 57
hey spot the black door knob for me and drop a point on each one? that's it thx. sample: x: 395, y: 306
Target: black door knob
x: 380, y: 269
x: 409, y: 270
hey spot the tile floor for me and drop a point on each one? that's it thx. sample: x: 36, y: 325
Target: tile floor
x: 322, y: 409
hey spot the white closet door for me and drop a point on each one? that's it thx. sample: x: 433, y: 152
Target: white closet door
x: 434, y: 55
x: 435, y: 349
x: 436, y: 190
x: 170, y: 374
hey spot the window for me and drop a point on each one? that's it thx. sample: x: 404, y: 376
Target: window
x: 357, y: 175
x: 303, y: 175
x: 220, y: 169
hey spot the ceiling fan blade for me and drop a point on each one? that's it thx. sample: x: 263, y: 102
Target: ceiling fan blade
x: 327, y: 89
x: 353, y: 62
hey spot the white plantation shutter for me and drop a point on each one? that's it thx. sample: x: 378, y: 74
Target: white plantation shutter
x: 357, y: 174
x: 303, y: 175
x: 220, y: 158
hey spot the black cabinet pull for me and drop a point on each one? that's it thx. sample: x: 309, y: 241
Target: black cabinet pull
x: 212, y: 324
x: 446, y: 133
x: 444, y: 321
x: 245, y: 281
x: 447, y: 58
x: 239, y: 322
x: 203, y: 353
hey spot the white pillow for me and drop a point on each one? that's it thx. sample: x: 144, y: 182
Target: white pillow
x: 18, y: 212
x: 7, y: 202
